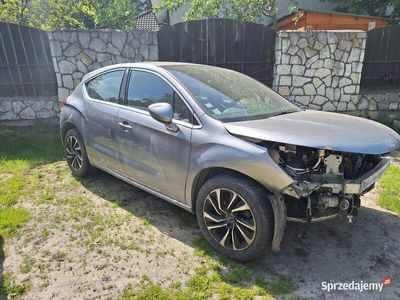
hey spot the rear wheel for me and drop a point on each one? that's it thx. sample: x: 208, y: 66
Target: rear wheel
x: 235, y: 216
x: 75, y: 153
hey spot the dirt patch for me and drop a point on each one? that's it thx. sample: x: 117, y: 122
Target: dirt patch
x: 91, y: 238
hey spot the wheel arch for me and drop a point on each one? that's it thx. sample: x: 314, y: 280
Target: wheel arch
x: 208, y: 173
x: 276, y: 200
x: 66, y: 127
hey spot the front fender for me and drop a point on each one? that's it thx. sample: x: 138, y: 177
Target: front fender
x: 241, y: 156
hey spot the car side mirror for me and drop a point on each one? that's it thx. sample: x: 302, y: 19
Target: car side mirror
x: 163, y: 112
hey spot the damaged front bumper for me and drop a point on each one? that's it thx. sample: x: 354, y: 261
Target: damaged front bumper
x: 363, y: 183
x: 337, y: 184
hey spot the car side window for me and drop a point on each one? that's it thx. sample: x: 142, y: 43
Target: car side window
x: 146, y: 88
x: 106, y: 87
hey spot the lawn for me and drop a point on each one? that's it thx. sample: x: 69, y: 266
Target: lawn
x: 389, y: 191
x: 20, y: 151
x: 98, y: 237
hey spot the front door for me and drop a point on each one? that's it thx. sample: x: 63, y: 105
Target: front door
x: 153, y: 155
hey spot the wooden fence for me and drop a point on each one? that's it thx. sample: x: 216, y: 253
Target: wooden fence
x: 382, y: 59
x: 26, y: 67
x: 241, y: 46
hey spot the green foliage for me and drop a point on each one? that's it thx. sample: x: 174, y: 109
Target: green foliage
x: 389, y: 193
x: 246, y: 10
x: 378, y: 8
x: 64, y: 14
x: 14, y: 11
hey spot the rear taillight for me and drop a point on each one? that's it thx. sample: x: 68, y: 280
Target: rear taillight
x: 63, y: 103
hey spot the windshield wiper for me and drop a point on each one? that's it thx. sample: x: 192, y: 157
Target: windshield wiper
x: 285, y: 112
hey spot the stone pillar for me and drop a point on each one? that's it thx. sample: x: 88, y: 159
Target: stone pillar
x: 77, y: 52
x: 320, y: 69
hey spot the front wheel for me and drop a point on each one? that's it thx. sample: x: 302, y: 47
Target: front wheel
x: 75, y: 153
x: 235, y: 216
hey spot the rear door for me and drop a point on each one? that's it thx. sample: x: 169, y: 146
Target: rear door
x: 101, y: 110
x: 153, y: 155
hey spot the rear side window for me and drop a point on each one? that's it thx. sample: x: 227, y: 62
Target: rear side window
x: 146, y: 88
x: 106, y: 87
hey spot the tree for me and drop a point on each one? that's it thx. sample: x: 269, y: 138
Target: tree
x: 246, y: 10
x: 13, y: 11
x: 63, y: 14
x: 377, y: 8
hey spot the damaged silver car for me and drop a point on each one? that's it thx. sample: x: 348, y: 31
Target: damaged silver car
x: 225, y: 147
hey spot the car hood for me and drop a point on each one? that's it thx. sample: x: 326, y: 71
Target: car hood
x: 322, y: 130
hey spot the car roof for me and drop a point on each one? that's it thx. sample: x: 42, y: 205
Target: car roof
x: 150, y: 65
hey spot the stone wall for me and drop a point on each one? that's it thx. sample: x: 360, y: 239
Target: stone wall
x: 320, y: 69
x: 77, y: 52
x: 379, y: 100
x: 28, y: 108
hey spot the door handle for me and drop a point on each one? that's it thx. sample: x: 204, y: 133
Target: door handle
x: 125, y: 125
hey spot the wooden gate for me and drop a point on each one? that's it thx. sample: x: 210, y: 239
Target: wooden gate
x: 381, y: 67
x: 26, y: 67
x: 241, y: 46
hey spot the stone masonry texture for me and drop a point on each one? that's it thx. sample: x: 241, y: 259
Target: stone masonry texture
x: 77, y: 52
x: 28, y: 108
x: 320, y: 69
x: 317, y: 70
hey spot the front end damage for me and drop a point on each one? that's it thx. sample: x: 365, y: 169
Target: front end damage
x: 333, y: 160
x: 327, y: 182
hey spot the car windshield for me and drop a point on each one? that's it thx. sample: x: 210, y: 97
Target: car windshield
x: 230, y: 96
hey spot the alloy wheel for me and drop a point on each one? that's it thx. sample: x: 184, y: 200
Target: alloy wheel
x: 74, y: 153
x: 229, y: 219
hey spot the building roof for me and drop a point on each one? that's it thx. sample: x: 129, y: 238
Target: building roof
x: 147, y: 21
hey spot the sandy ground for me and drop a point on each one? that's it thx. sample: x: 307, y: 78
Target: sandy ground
x: 91, y: 238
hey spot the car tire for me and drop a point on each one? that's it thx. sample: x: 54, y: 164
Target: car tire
x: 75, y: 153
x: 223, y: 224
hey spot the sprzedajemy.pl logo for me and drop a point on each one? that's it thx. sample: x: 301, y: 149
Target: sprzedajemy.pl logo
x: 359, y: 286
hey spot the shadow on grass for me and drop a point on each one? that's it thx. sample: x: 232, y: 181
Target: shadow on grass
x: 32, y: 145
x: 367, y: 249
x: 20, y: 150
x: 372, y: 238
x: 230, y: 277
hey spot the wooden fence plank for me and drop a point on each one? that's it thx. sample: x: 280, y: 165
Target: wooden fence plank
x: 26, y: 67
x: 241, y: 46
x: 381, y: 67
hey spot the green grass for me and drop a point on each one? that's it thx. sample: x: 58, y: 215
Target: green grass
x: 11, y: 219
x: 389, y: 193
x: 26, y: 265
x: 218, y: 278
x: 20, y: 150
x: 9, y: 289
x: 206, y: 284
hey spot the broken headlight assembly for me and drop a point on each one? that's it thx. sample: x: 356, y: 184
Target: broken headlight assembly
x: 326, y: 182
